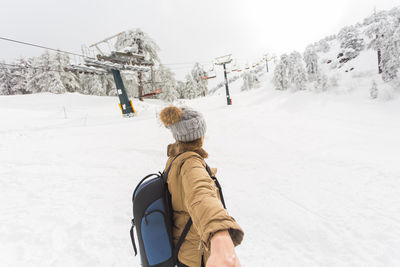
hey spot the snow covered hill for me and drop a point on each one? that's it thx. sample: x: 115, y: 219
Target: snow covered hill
x: 313, y: 179
x: 361, y: 57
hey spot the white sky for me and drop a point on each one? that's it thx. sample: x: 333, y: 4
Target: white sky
x: 186, y: 31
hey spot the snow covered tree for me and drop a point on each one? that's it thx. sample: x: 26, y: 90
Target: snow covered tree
x: 167, y: 83
x: 19, y: 79
x: 350, y: 42
x: 91, y: 84
x: 68, y: 79
x: 280, y: 78
x: 296, y: 71
x: 190, y: 91
x: 384, y: 34
x: 322, y: 46
x: 201, y: 85
x: 311, y: 60
x: 195, y: 86
x: 390, y: 63
x: 180, y: 89
x: 138, y: 42
x: 44, y: 77
x: 321, y: 82
x: 5, y: 80
x: 250, y: 81
x: 107, y: 80
x: 373, y: 92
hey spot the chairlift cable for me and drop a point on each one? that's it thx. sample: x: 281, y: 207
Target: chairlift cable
x: 39, y: 46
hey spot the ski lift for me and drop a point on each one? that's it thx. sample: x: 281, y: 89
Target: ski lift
x: 234, y: 68
x: 153, y: 93
x: 210, y: 74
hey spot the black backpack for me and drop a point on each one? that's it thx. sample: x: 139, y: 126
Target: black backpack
x: 152, y: 217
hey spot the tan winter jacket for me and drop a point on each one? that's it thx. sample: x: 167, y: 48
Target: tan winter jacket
x: 195, y: 195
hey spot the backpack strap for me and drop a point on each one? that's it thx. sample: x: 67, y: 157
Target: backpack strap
x: 217, y: 184
x: 133, y: 237
x: 165, y: 174
x: 182, y: 238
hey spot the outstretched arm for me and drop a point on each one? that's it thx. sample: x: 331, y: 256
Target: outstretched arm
x: 218, y: 231
x: 222, y: 251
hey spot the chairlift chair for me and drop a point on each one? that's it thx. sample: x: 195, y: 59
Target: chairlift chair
x: 210, y: 74
x: 153, y: 93
x: 234, y: 68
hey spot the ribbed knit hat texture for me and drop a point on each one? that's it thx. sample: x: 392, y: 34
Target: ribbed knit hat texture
x: 185, y: 123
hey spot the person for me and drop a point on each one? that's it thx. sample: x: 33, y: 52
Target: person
x: 214, y: 234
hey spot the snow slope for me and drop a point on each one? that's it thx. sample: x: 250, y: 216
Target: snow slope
x: 313, y: 179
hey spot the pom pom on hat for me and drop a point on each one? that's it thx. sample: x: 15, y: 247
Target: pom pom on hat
x: 170, y: 115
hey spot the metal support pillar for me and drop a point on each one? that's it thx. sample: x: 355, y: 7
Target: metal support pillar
x: 125, y: 105
x: 140, y: 76
x: 228, y: 97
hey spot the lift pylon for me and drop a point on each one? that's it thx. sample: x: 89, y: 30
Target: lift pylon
x: 114, y: 62
x: 223, y: 61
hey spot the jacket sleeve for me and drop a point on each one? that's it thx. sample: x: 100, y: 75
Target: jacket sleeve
x: 205, y: 208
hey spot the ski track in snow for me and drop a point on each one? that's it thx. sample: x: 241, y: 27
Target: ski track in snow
x: 313, y: 179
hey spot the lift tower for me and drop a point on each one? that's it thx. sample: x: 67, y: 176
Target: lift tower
x: 223, y: 61
x: 114, y: 62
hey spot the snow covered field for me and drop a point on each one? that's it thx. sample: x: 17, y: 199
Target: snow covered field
x: 313, y: 179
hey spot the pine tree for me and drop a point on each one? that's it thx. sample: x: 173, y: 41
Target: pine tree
x: 280, y: 78
x: 323, y: 46
x: 296, y: 71
x: 44, y: 76
x: 5, y: 80
x: 201, y: 85
x: 373, y: 92
x: 390, y: 63
x: 131, y: 83
x: 384, y: 34
x: 190, y: 91
x: 20, y: 74
x: 350, y: 42
x: 108, y: 83
x: 167, y: 83
x: 139, y: 42
x: 321, y: 82
x: 68, y: 79
x: 91, y: 84
x: 250, y: 81
x: 311, y: 60
x: 180, y: 89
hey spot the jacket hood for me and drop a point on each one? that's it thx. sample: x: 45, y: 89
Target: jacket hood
x: 181, y: 147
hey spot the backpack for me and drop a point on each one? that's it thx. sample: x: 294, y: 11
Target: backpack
x: 152, y: 217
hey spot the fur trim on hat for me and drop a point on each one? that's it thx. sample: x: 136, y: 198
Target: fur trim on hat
x: 170, y: 115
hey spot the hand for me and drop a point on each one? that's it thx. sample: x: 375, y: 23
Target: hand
x: 222, y: 251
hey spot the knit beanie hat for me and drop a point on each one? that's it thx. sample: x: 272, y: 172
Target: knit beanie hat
x: 185, y: 123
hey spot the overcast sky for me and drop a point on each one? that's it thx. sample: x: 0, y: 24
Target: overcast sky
x: 186, y: 31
